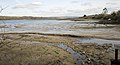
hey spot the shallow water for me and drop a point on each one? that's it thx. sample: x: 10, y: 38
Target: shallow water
x: 47, y: 26
x: 77, y: 57
x: 63, y: 27
x: 98, y: 41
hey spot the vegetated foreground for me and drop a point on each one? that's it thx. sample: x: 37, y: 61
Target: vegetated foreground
x: 28, y: 49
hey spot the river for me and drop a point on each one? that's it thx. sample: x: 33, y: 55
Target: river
x: 81, y: 28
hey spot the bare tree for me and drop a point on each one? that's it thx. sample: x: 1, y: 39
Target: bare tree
x: 2, y: 8
x: 105, y: 11
x: 3, y: 29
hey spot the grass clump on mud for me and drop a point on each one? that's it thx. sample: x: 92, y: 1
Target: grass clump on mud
x: 41, y: 38
x: 34, y: 54
x: 100, y: 54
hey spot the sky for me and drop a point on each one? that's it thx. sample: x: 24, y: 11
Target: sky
x: 47, y: 8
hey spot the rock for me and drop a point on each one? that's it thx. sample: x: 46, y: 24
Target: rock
x: 83, y: 52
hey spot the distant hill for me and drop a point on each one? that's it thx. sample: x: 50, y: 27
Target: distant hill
x: 28, y: 18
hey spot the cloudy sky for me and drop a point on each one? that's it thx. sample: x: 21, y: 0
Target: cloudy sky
x: 57, y: 7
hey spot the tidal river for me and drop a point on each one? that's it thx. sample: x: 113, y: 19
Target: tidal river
x: 80, y: 28
x: 46, y: 26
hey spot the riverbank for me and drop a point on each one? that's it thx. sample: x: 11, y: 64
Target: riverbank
x: 14, y: 53
x: 96, y: 54
x: 34, y: 48
x: 45, y: 18
x: 108, y: 22
x: 102, y: 35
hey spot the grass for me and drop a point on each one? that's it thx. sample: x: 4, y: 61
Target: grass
x: 34, y: 54
x: 101, y: 35
x: 48, y: 54
x: 48, y: 34
x: 94, y: 27
x: 49, y: 39
x: 99, y: 54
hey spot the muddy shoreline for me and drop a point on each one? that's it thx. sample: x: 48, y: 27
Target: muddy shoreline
x: 62, y: 28
x: 84, y: 53
x: 64, y: 35
x: 60, y: 41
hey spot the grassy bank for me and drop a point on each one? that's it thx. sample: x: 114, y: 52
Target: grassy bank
x: 16, y: 52
x: 98, y: 54
x: 70, y: 35
x: 39, y: 38
x: 33, y: 54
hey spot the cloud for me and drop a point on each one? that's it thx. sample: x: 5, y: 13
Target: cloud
x: 85, y: 11
x: 53, y: 11
x: 56, y: 11
x: 111, y: 3
x: 67, y: 8
x: 114, y: 0
x: 28, y: 5
x: 75, y: 1
x: 86, y: 4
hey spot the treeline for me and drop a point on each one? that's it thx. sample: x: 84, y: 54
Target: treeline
x: 113, y: 18
x: 27, y: 18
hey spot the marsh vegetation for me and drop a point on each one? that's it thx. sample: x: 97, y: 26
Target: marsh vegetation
x: 15, y: 53
x: 34, y: 49
x: 38, y: 42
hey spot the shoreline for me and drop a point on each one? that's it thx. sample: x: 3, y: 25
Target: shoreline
x: 78, y: 52
x: 64, y: 35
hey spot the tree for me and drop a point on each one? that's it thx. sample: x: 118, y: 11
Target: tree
x: 114, y: 14
x: 1, y: 10
x: 105, y: 11
x: 84, y: 16
x: 118, y: 16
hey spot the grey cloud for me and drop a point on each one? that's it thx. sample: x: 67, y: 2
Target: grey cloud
x: 28, y: 5
x: 85, y: 11
x: 111, y: 3
x: 86, y: 4
x: 75, y: 1
x: 53, y: 10
x: 113, y: 9
x: 114, y: 0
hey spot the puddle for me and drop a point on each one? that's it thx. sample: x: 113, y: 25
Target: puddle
x: 99, y: 41
x: 79, y: 58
